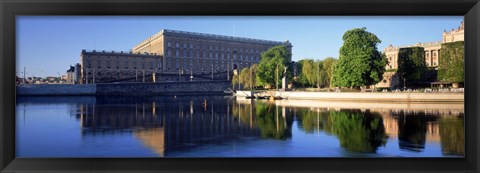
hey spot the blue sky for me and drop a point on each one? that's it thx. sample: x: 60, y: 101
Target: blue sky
x: 47, y: 45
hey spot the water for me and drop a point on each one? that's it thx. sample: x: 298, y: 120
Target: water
x: 218, y: 126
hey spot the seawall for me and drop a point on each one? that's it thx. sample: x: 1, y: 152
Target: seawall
x: 360, y: 96
x: 56, y: 89
x: 160, y: 88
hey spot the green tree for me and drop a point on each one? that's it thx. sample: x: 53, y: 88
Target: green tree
x: 451, y: 67
x: 309, y: 72
x: 328, y: 64
x: 254, y: 75
x: 359, y: 63
x: 273, y: 62
x: 301, y: 78
x: 246, y: 78
x: 321, y: 74
x: 411, y: 64
x: 235, y: 80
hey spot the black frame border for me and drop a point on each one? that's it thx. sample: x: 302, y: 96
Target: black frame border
x: 470, y: 9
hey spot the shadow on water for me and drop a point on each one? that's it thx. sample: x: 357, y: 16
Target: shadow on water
x: 170, y: 125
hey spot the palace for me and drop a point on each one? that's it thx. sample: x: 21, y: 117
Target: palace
x: 199, y: 52
x: 432, y: 55
x: 171, y: 52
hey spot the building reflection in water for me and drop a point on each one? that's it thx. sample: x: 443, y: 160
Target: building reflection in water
x: 169, y: 124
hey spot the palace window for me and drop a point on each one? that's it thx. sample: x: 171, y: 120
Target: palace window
x: 169, y: 44
x: 177, y: 45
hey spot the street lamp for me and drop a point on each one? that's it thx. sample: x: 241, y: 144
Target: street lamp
x: 212, y: 70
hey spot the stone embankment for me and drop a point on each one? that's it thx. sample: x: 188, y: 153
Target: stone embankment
x: 160, y: 88
x: 358, y: 96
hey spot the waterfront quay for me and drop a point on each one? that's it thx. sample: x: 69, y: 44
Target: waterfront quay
x: 357, y: 96
x: 158, y: 88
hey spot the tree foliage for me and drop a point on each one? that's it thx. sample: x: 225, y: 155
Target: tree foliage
x: 359, y: 63
x: 328, y: 64
x: 248, y: 77
x: 316, y: 73
x: 411, y: 64
x: 275, y: 58
x: 451, y: 67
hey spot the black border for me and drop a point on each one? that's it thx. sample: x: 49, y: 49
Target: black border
x: 9, y: 8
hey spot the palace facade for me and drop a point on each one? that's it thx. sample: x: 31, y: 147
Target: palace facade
x: 171, y: 52
x: 432, y: 55
x: 201, y: 53
x: 111, y: 66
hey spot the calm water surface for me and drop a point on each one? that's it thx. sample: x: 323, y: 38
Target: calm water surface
x: 218, y: 126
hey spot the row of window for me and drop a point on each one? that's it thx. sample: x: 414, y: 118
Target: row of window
x: 126, y: 65
x: 212, y: 47
x: 215, y: 55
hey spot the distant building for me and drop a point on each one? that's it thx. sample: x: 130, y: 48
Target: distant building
x: 199, y: 53
x: 432, y: 55
x: 109, y: 66
x: 70, y: 74
x: 77, y: 73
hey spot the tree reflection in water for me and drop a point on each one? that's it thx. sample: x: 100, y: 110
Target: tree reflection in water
x: 452, y: 134
x: 359, y: 131
x: 273, y: 121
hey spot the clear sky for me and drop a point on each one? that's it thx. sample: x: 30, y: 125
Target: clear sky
x: 47, y: 45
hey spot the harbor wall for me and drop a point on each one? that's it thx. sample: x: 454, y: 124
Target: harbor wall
x: 160, y: 88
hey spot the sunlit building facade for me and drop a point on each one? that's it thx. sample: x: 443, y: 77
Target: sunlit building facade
x: 200, y: 53
x: 432, y: 54
x: 110, y: 66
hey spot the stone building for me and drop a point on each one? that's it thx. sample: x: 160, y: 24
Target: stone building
x: 70, y: 74
x: 432, y: 55
x: 199, y: 53
x: 111, y: 66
